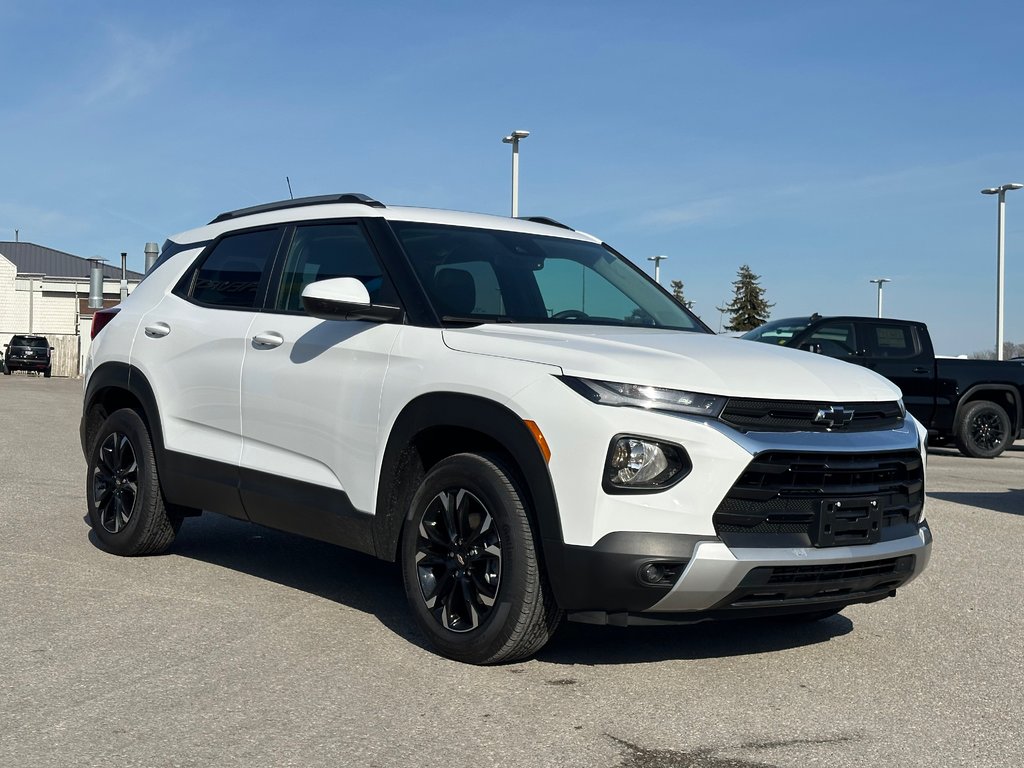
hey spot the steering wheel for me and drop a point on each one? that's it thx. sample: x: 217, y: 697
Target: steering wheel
x: 570, y: 314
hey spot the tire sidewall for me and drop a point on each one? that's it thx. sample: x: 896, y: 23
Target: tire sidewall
x: 482, y: 477
x: 127, y: 540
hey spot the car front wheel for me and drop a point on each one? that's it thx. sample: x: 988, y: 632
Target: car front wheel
x: 470, y: 564
x: 126, y: 506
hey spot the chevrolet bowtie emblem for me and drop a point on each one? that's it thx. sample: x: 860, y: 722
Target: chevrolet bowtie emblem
x: 834, y: 416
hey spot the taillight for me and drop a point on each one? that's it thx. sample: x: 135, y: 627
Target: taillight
x: 100, y: 319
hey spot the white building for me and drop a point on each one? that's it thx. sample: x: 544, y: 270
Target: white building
x: 46, y: 292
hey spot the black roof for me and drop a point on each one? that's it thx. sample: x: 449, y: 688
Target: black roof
x: 34, y: 259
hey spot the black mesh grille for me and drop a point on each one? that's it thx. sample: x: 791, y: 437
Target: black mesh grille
x: 816, y: 499
x: 800, y: 415
x: 811, y: 584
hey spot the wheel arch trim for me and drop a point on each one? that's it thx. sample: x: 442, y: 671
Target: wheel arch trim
x: 473, y: 413
x: 975, y: 393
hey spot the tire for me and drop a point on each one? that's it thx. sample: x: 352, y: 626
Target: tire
x: 7, y: 371
x: 982, y: 430
x: 46, y: 373
x: 126, y: 506
x: 470, y: 566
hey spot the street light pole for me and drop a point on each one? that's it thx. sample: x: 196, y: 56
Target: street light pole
x: 513, y: 139
x: 1000, y: 257
x: 657, y: 267
x: 881, y: 281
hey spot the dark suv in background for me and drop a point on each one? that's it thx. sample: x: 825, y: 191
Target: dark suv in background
x: 27, y: 353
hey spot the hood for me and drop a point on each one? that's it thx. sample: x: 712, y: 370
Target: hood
x: 699, y: 362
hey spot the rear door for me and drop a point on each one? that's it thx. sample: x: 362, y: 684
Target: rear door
x: 190, y: 347
x: 899, y: 352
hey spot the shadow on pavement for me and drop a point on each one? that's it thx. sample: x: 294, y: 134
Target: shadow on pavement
x: 1010, y: 502
x: 343, y: 576
x: 589, y: 644
x: 375, y: 587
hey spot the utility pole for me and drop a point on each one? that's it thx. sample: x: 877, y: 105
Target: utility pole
x: 880, y: 281
x: 657, y: 267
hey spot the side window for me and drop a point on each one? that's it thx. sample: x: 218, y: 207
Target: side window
x: 891, y: 341
x: 832, y: 339
x: 231, y: 274
x: 325, y: 251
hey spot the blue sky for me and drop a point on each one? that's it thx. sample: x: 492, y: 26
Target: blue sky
x: 822, y: 143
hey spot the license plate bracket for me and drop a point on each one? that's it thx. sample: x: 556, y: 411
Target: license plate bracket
x: 842, y: 522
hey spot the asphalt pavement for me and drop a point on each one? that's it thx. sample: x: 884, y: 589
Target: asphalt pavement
x: 247, y: 647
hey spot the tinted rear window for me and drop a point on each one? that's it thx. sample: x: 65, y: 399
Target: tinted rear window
x: 30, y: 341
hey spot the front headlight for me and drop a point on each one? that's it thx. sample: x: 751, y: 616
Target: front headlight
x: 651, y: 398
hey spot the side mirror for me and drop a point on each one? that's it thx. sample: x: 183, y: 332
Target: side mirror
x: 345, y: 298
x: 810, y: 347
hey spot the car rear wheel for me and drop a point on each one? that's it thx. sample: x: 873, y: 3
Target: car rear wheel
x: 126, y: 506
x: 470, y: 564
x: 983, y: 429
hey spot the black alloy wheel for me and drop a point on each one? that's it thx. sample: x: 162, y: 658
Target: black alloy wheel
x: 987, y: 431
x: 458, y: 560
x: 126, y: 504
x: 115, y: 481
x: 983, y: 429
x: 471, y: 564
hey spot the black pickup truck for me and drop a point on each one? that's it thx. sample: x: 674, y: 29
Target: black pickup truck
x: 976, y: 403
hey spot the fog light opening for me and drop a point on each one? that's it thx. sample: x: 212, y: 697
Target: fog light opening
x: 652, y: 573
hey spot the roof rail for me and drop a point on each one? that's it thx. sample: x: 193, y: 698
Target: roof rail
x: 547, y: 220
x: 347, y: 197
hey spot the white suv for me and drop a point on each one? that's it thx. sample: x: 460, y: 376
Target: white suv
x: 510, y: 409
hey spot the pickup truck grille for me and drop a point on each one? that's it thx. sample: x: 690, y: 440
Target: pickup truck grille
x: 803, y: 415
x: 788, y: 499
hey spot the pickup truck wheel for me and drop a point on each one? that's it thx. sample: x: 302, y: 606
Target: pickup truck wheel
x: 469, y: 564
x: 982, y: 430
x: 46, y: 373
x: 126, y: 506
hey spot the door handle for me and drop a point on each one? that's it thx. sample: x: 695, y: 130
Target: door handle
x: 157, y: 330
x: 267, y: 339
x: 920, y: 370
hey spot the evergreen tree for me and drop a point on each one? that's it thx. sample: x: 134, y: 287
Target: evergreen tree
x: 748, y: 308
x: 677, y: 293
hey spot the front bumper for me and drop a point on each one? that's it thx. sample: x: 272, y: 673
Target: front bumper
x: 602, y: 584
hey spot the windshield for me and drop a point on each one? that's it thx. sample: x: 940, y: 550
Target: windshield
x: 779, y: 331
x: 477, y: 276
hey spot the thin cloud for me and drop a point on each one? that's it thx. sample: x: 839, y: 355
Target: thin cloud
x: 136, y: 64
x: 685, y: 214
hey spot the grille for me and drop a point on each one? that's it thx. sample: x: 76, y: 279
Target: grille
x: 803, y: 499
x: 799, y: 415
x: 802, y: 584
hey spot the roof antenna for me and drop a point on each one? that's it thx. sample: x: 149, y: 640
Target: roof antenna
x: 290, y: 195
